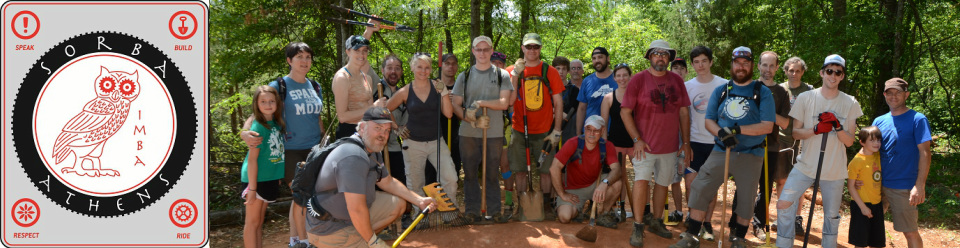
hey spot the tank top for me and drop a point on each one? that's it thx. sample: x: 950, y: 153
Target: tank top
x: 618, y: 132
x: 422, y: 119
x: 359, y: 95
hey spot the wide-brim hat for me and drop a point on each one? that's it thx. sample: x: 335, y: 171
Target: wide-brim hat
x: 661, y: 44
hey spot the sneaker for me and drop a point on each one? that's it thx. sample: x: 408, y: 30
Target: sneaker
x: 607, y: 220
x: 706, y: 233
x: 736, y: 242
x: 582, y: 216
x: 798, y: 226
x: 388, y: 234
x: 298, y: 245
x: 636, y: 238
x: 473, y: 218
x: 675, y: 216
x: 687, y: 240
x: 758, y: 229
x: 657, y: 227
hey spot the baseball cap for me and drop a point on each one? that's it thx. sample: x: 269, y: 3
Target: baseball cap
x: 377, y: 114
x: 481, y: 39
x: 835, y: 59
x: 532, y: 38
x: 447, y: 56
x: 498, y: 56
x: 356, y: 42
x: 660, y: 44
x: 600, y: 50
x: 743, y: 52
x: 595, y: 120
x: 896, y: 83
x: 679, y: 61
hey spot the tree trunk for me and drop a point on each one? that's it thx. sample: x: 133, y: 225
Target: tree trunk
x: 840, y: 30
x: 488, y: 18
x: 420, y: 32
x: 887, y: 63
x: 446, y: 27
x: 475, y: 23
x: 234, y: 127
x: 345, y: 30
x: 524, y: 21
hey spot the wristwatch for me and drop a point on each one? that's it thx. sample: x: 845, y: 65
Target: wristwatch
x: 605, y: 181
x: 636, y: 140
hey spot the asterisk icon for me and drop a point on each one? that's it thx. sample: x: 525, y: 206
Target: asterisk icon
x: 25, y: 212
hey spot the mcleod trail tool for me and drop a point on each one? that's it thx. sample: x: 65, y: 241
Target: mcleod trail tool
x: 723, y: 208
x: 626, y: 184
x: 411, y: 227
x: 389, y: 24
x: 589, y: 232
x: 531, y: 201
x: 816, y: 186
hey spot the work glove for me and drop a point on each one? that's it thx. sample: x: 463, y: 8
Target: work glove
x: 553, y: 138
x: 828, y: 122
x: 471, y: 113
x: 518, y: 68
x: 376, y: 242
x: 403, y: 132
x: 441, y: 88
x: 483, y: 122
x: 728, y: 136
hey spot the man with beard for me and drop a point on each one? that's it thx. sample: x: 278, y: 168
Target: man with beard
x: 352, y: 211
x: 768, y: 67
x: 827, y: 111
x: 794, y: 67
x: 392, y: 69
x: 594, y: 87
x: 740, y: 114
x: 655, y: 110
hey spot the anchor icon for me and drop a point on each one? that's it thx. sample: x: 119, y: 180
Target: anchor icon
x: 183, y: 27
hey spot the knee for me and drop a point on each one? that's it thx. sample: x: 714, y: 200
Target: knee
x: 784, y: 204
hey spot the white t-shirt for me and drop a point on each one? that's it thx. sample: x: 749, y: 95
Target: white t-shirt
x: 807, y: 108
x: 699, y: 94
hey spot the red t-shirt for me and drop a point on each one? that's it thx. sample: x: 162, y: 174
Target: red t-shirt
x: 539, y: 103
x: 579, y: 176
x: 656, y: 103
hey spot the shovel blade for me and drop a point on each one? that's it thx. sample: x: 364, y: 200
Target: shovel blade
x: 183, y: 30
x: 532, y: 205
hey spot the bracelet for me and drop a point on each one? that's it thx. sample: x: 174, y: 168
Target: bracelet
x: 249, y: 189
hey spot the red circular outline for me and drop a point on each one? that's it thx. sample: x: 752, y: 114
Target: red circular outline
x: 14, y: 212
x: 170, y: 213
x: 14, y: 26
x: 192, y: 17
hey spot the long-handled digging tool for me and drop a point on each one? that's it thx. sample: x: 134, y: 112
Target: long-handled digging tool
x: 589, y: 232
x: 816, y: 186
x: 411, y: 227
x: 626, y: 184
x: 484, y: 219
x: 766, y: 174
x: 388, y: 24
x: 530, y: 201
x: 723, y: 208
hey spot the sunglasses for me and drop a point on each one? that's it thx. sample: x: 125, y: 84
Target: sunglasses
x: 532, y: 47
x: 742, y: 54
x: 830, y: 72
x: 422, y: 53
x: 660, y: 54
x: 621, y: 65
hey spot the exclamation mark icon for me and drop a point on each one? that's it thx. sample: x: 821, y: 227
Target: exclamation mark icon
x: 25, y: 21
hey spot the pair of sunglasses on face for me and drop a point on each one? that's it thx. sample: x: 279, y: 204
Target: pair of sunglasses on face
x: 831, y: 72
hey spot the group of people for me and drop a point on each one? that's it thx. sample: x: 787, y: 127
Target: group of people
x: 670, y: 130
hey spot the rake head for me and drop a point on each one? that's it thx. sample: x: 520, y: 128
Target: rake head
x: 434, y: 191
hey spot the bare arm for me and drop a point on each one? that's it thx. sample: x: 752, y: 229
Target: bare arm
x: 393, y: 186
x: 685, y: 135
x: 799, y: 133
x: 252, y: 138
x: 252, y: 174
x: 447, y: 108
x: 782, y: 121
x: 604, y: 112
x: 499, y: 104
x: 581, y: 111
x: 855, y: 194
x: 359, y: 214
x: 640, y: 147
x: 400, y: 97
x: 918, y: 194
x: 756, y: 129
x: 457, y: 106
x: 557, y: 112
x: 556, y: 177
x: 599, y: 194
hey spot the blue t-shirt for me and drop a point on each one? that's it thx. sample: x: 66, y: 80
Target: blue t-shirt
x: 301, y: 111
x: 270, y: 158
x: 899, y: 154
x: 739, y: 109
x: 592, y: 91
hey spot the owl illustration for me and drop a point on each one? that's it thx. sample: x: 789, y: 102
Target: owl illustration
x: 85, y: 134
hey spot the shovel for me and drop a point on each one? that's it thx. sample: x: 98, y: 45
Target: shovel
x: 589, y: 232
x: 530, y: 200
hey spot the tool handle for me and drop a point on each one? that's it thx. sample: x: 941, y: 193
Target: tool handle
x: 411, y: 227
x: 350, y: 11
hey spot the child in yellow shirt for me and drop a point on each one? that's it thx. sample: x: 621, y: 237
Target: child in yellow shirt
x: 866, y: 210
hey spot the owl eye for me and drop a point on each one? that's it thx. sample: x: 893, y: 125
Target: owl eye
x: 127, y: 87
x: 106, y: 85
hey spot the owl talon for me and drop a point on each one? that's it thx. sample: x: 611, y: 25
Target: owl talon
x: 107, y: 172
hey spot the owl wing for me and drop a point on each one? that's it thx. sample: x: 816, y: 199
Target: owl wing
x: 95, y: 114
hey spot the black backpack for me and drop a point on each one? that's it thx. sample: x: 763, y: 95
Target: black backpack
x: 282, y: 91
x: 305, y: 179
x: 755, y: 97
x: 577, y: 155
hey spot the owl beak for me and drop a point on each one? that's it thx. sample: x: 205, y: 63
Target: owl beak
x: 115, y: 95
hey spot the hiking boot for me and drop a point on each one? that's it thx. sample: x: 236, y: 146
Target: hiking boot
x: 636, y: 238
x: 388, y: 234
x: 549, y: 216
x: 582, y: 216
x: 657, y: 227
x: 736, y: 242
x: 758, y: 229
x: 647, y: 217
x: 473, y: 218
x: 687, y: 240
x: 675, y: 216
x: 607, y: 220
x: 298, y: 245
x: 798, y: 226
x: 706, y: 233
x: 500, y: 218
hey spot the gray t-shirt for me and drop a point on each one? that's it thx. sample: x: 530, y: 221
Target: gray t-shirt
x: 482, y: 85
x: 348, y: 168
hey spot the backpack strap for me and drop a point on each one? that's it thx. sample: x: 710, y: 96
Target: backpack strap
x: 755, y: 97
x: 282, y: 91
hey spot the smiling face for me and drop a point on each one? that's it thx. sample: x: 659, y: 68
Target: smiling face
x: 600, y: 62
x: 741, y: 70
x: 422, y: 69
x: 482, y: 52
x: 832, y: 75
x: 531, y: 53
x: 359, y: 56
x: 622, y: 76
x: 392, y: 71
x: 267, y: 103
x: 576, y: 70
x: 896, y: 99
x: 871, y: 145
x: 300, y: 63
x: 374, y: 135
x: 768, y: 67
